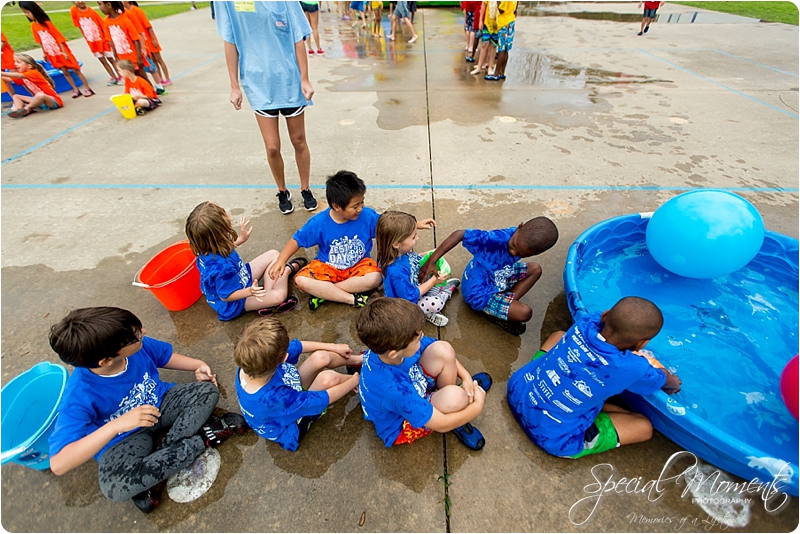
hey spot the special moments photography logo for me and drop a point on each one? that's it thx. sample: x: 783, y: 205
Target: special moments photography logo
x: 724, y: 501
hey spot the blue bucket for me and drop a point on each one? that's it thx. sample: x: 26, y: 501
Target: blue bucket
x: 29, y: 407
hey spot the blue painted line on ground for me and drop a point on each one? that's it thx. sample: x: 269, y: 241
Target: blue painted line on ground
x: 753, y: 62
x: 87, y: 121
x: 793, y: 115
x: 422, y: 187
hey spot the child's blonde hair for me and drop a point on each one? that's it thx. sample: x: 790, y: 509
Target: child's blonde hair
x: 393, y: 227
x: 261, y: 347
x: 210, y: 231
x: 126, y: 64
x: 25, y: 58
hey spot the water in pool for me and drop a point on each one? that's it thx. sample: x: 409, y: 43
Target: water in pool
x: 727, y: 338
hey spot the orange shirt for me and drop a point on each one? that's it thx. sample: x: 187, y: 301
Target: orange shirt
x: 138, y: 16
x: 91, y: 25
x: 35, y: 83
x: 8, y: 55
x: 51, y: 40
x: 122, y: 34
x: 142, y: 85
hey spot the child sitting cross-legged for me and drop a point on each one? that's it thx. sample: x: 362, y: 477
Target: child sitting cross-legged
x: 408, y: 381
x: 279, y: 397
x: 494, y: 280
x: 559, y: 398
x: 115, y: 406
x: 144, y: 96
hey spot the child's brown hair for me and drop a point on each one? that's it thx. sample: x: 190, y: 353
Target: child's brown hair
x: 386, y: 324
x: 25, y: 58
x: 210, y: 231
x: 261, y: 347
x: 126, y: 64
x: 392, y: 227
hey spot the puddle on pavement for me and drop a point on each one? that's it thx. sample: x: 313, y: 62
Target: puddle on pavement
x: 527, y: 10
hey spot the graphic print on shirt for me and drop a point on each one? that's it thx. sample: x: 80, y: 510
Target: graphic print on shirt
x: 291, y: 377
x: 418, y: 379
x: 142, y: 393
x: 501, y: 277
x: 31, y: 87
x: 346, y: 252
x: 49, y: 44
x: 413, y: 262
x: 90, y: 29
x: 120, y: 39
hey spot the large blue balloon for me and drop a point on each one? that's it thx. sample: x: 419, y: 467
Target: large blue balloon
x: 705, y: 234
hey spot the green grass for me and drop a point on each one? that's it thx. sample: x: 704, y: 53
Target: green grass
x: 785, y: 12
x: 17, y: 28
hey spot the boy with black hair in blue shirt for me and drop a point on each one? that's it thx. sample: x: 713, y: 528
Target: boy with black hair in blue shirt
x: 408, y: 381
x: 280, y: 397
x: 495, y: 279
x: 114, y: 404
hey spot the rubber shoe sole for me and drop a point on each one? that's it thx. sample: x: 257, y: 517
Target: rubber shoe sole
x: 437, y: 319
x: 470, y: 436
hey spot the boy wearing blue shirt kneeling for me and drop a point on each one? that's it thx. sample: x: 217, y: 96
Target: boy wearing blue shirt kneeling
x: 114, y: 404
x: 279, y: 397
x: 559, y: 398
x: 408, y: 381
x: 494, y: 279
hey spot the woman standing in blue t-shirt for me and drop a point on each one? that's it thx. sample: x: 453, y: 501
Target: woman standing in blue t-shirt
x: 265, y: 50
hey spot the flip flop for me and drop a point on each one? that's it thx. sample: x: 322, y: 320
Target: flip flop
x: 287, y: 305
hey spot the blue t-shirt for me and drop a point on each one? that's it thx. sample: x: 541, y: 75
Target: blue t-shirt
x: 340, y: 245
x: 90, y: 400
x: 220, y: 276
x: 491, y: 265
x: 265, y: 38
x: 558, y: 396
x: 401, y: 278
x: 274, y: 409
x: 393, y: 393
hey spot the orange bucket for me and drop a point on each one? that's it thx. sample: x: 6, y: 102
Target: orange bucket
x: 172, y: 276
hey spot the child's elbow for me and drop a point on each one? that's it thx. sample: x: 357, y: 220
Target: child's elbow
x: 57, y: 466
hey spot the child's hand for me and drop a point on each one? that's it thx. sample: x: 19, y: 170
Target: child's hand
x: 425, y: 271
x: 204, y: 374
x: 236, y: 98
x: 244, y: 231
x: 441, y: 277
x: 479, y: 395
x: 673, y: 384
x: 135, y: 93
x: 275, y: 270
x: 342, y: 349
x: 426, y: 224
x: 257, y: 291
x: 145, y: 415
x: 469, y: 387
x: 308, y: 90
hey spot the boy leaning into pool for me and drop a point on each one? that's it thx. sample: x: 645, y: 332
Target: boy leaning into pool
x: 559, y: 398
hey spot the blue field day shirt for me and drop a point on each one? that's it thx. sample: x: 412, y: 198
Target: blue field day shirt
x: 272, y: 411
x: 558, y: 396
x: 265, y: 34
x: 90, y: 400
x: 220, y: 276
x: 401, y: 277
x: 491, y: 265
x: 340, y: 245
x: 391, y: 393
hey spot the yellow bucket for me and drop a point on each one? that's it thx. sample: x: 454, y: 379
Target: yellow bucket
x: 125, y: 106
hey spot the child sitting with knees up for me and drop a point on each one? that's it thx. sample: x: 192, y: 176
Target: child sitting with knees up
x: 33, y: 77
x: 408, y: 381
x: 395, y: 238
x: 144, y: 96
x: 559, y: 398
x: 230, y: 285
x: 280, y: 397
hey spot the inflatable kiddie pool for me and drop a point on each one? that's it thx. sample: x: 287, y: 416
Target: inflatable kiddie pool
x: 728, y: 338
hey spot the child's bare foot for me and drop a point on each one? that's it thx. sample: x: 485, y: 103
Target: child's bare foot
x: 413, y: 39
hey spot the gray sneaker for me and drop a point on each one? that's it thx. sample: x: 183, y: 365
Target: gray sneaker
x: 309, y: 202
x: 451, y: 285
x: 285, y: 201
x: 437, y: 319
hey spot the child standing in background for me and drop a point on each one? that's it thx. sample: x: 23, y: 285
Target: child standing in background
x: 395, y: 237
x: 55, y: 47
x: 91, y: 25
x: 8, y: 63
x: 230, y: 285
x: 37, y: 82
x: 150, y: 40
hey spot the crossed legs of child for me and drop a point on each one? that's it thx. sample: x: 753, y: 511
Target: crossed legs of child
x: 316, y: 371
x: 432, y: 302
x: 276, y: 290
x: 32, y: 103
x: 347, y: 286
x: 134, y: 464
x: 505, y: 309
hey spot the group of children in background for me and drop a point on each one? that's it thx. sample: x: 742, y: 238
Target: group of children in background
x: 491, y: 24
x: 115, y: 406
x: 124, y: 42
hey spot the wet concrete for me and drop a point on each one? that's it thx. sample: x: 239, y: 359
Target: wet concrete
x: 592, y: 122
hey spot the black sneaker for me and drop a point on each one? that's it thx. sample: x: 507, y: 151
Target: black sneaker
x: 513, y: 328
x: 360, y: 300
x: 314, y: 302
x: 646, y: 28
x: 285, y: 201
x: 149, y: 499
x: 309, y: 202
x: 217, y: 429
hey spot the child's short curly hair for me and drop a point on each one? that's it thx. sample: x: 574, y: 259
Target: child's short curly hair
x: 261, y: 347
x: 87, y: 336
x: 386, y: 324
